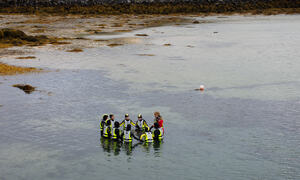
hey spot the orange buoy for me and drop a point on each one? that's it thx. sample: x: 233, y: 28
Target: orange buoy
x: 201, y: 88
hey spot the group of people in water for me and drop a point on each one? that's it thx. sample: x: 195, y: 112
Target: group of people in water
x: 112, y: 129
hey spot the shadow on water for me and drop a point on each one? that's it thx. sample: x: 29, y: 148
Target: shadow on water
x: 115, y: 147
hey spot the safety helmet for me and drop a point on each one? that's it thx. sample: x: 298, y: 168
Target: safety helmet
x: 126, y: 115
x: 140, y: 116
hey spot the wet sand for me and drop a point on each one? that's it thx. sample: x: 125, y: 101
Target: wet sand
x: 73, y: 29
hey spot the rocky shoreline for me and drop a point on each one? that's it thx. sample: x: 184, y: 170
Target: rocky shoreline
x: 149, y: 7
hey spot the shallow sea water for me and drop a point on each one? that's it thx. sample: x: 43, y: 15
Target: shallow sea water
x: 245, y: 125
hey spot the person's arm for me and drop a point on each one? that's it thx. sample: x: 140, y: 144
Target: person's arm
x: 134, y: 136
x: 161, y: 123
x: 142, y: 136
x: 121, y: 136
x: 121, y: 124
x: 132, y: 123
x: 109, y: 132
x: 145, y: 124
x: 151, y: 127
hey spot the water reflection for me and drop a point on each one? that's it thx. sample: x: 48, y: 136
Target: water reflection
x: 115, y: 147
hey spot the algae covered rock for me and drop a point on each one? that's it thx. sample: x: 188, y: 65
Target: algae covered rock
x: 13, y: 37
x: 25, y: 87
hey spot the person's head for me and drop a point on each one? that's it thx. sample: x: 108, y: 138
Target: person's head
x: 156, y: 125
x: 117, y: 124
x: 156, y: 114
x: 127, y: 116
x: 140, y: 117
x: 108, y: 123
x: 128, y: 128
x: 105, y: 116
x: 159, y: 117
x: 111, y: 116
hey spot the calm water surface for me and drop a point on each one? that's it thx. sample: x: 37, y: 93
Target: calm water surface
x: 245, y: 125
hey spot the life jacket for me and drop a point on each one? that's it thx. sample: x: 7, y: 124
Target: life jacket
x: 114, y: 134
x: 162, y: 129
x: 107, y: 132
x: 127, y: 136
x: 141, y: 123
x: 102, y: 125
x: 111, y: 122
x: 126, y: 122
x: 159, y: 138
x: 148, y: 137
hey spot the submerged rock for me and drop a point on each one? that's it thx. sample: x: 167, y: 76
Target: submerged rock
x: 146, y: 54
x: 6, y: 69
x: 75, y: 50
x: 28, y: 89
x: 114, y: 44
x: 141, y: 34
x: 26, y: 57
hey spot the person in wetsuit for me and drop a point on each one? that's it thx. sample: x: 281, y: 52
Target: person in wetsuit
x: 157, y: 134
x: 107, y: 130
x: 116, y: 132
x: 112, y: 119
x: 147, y: 136
x: 127, y: 135
x: 140, y: 124
x: 127, y: 121
x: 102, y: 123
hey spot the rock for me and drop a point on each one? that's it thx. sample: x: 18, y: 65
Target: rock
x: 141, y: 34
x: 6, y: 70
x: 75, y: 50
x: 1, y: 34
x: 26, y: 57
x: 196, y: 22
x: 114, y: 44
x: 146, y: 54
x: 13, y: 37
x: 28, y: 89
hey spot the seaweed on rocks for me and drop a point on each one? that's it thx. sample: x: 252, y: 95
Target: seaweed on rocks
x: 28, y: 89
x: 13, y: 37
